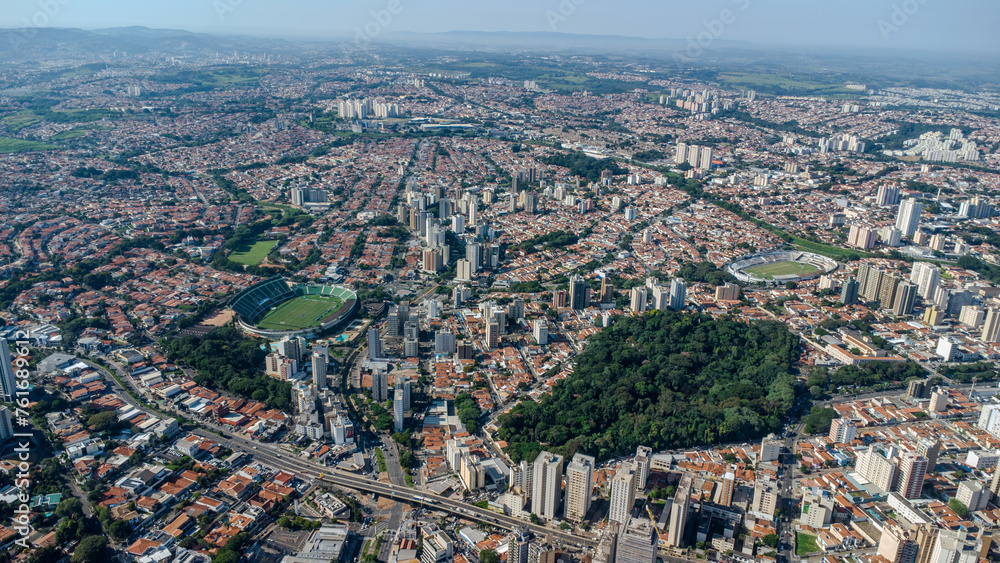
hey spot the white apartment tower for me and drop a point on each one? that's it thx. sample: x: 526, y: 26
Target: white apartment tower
x: 579, y: 485
x: 546, y: 487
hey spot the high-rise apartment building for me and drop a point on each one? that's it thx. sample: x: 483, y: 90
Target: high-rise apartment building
x: 679, y: 512
x: 8, y: 383
x: 908, y: 219
x: 622, y: 494
x: 912, y: 470
x: 546, y: 487
x: 579, y: 486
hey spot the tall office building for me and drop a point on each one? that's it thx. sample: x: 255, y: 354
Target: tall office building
x: 908, y: 219
x: 622, y: 494
x: 678, y: 294
x: 319, y: 370
x: 579, y: 485
x: 6, y: 426
x: 374, y: 344
x: 637, y: 542
x: 679, y: 512
x: 906, y: 298
x: 926, y: 276
x: 290, y: 347
x: 546, y: 486
x: 912, y: 470
x: 849, y: 293
x: 8, y: 384
x: 579, y: 291
x: 991, y: 326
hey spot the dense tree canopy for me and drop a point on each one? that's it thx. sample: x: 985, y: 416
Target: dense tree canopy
x: 663, y: 380
x: 580, y: 164
x: 225, y: 359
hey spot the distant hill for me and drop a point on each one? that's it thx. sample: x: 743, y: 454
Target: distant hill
x: 49, y: 43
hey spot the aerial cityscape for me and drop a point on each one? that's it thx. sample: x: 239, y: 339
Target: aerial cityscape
x: 571, y: 288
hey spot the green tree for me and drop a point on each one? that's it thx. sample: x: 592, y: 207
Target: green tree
x: 92, y: 549
x: 120, y: 530
x: 47, y: 554
x: 770, y: 540
x: 69, y: 507
x: 959, y: 508
x: 488, y: 556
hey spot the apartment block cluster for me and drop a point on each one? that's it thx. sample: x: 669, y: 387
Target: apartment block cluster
x: 697, y: 156
x: 934, y: 146
x: 366, y: 108
x: 659, y: 297
x: 700, y: 103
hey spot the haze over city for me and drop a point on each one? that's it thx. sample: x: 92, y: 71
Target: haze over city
x: 560, y: 281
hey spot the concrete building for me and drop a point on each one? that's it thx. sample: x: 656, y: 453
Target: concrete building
x: 842, y: 431
x: 973, y: 495
x: 912, y: 470
x: 540, y: 331
x: 8, y: 382
x: 679, y: 512
x: 579, y: 486
x: 622, y: 495
x: 546, y: 488
x: 319, y: 361
x: 637, y: 543
x: 908, y: 219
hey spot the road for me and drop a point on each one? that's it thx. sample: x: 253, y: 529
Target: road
x: 310, y: 471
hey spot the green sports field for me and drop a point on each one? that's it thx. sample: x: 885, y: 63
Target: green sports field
x: 769, y: 271
x: 300, y: 312
x: 253, y: 255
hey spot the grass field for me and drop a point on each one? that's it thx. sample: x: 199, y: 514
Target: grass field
x: 300, y: 312
x: 804, y: 544
x: 769, y: 271
x: 253, y: 255
x: 20, y: 145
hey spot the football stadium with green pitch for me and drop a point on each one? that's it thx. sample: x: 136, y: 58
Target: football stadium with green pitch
x: 276, y: 308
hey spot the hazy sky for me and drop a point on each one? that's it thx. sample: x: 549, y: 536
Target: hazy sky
x: 954, y: 25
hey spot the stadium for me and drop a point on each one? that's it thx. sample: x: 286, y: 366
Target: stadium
x: 276, y: 308
x: 780, y: 267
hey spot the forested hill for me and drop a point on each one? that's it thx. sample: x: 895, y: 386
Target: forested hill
x: 663, y: 380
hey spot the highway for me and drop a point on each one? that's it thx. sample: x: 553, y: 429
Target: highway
x: 309, y: 471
